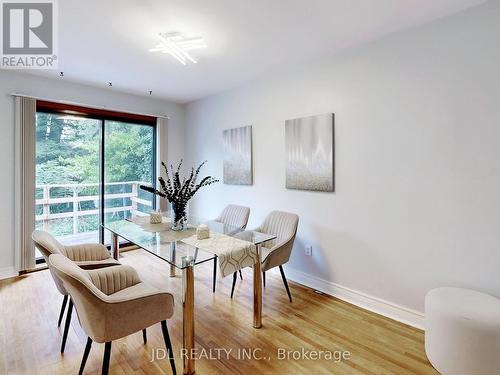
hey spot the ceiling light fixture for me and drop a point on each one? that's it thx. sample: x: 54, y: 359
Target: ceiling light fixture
x: 177, y: 45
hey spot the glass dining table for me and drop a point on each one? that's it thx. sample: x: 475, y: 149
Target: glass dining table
x: 165, y: 243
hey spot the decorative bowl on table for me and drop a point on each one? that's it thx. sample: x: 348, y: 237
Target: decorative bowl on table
x: 155, y: 217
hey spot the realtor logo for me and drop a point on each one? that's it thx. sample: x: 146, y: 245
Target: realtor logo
x: 29, y: 31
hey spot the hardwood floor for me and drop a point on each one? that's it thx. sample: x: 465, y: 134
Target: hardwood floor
x: 30, y: 339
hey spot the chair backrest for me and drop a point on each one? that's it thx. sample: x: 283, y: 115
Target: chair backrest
x: 69, y: 272
x: 103, y: 315
x: 281, y: 224
x: 234, y: 216
x: 47, y: 244
x: 106, y: 280
x: 85, y: 295
x: 284, y: 226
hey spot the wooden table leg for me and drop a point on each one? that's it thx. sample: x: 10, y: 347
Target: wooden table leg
x: 257, y: 291
x: 173, y: 247
x: 115, y: 246
x: 188, y: 319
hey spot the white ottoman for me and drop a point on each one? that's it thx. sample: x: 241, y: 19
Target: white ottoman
x: 462, y: 331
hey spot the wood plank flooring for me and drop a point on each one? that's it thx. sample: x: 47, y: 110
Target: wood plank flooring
x: 30, y: 339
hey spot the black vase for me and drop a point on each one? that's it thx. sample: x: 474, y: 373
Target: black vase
x: 179, y: 217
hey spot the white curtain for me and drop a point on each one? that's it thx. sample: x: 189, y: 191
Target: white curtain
x: 162, y: 141
x: 25, y: 122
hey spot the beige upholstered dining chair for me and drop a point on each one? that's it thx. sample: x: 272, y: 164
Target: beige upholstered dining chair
x: 87, y: 256
x: 236, y: 218
x: 112, y: 303
x: 277, y: 252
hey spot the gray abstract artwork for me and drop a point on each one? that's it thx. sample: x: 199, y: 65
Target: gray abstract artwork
x: 310, y: 153
x: 238, y: 156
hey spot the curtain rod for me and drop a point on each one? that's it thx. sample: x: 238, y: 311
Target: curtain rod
x: 89, y: 106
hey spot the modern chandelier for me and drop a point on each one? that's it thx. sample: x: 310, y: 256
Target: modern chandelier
x: 177, y: 45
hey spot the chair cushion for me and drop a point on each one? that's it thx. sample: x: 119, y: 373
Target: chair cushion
x: 264, y: 252
x: 93, y: 264
x: 135, y: 290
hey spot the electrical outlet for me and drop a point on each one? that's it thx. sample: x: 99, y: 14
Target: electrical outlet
x: 309, y: 250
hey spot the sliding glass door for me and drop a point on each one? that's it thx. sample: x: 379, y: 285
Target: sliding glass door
x: 129, y: 161
x: 67, y: 177
x: 88, y: 171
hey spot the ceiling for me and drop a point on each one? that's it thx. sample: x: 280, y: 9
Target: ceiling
x: 108, y: 41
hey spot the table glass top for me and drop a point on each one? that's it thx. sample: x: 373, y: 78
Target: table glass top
x: 162, y: 241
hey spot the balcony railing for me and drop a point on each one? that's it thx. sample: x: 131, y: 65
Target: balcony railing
x: 74, y: 195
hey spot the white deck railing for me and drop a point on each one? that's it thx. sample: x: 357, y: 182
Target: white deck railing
x: 74, y: 190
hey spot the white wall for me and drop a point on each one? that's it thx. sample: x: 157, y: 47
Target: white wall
x: 14, y: 82
x: 417, y: 201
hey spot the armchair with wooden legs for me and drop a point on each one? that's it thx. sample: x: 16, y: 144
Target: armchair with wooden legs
x: 277, y: 252
x: 87, y: 256
x: 112, y: 303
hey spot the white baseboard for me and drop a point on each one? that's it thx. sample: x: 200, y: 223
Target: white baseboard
x: 7, y: 272
x: 365, y: 301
